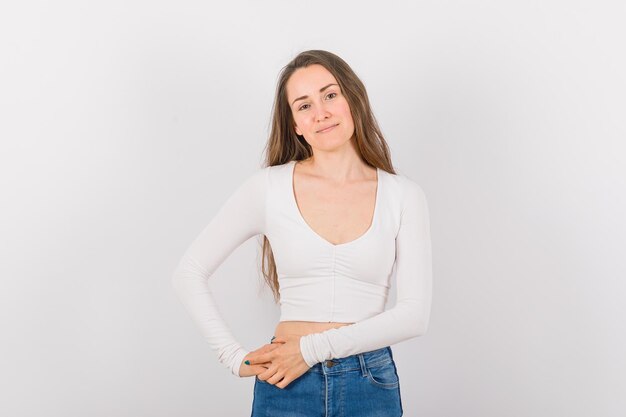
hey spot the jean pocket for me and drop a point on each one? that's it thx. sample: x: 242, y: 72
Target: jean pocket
x: 383, y: 375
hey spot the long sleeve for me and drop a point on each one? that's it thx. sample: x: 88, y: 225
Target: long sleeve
x: 241, y: 217
x: 410, y: 316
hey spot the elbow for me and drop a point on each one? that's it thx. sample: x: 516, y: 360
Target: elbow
x: 187, y: 272
x: 189, y: 280
x: 180, y: 278
x: 416, y: 329
x: 418, y: 320
x: 420, y: 327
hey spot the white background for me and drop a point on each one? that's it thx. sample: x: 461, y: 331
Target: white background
x: 124, y: 125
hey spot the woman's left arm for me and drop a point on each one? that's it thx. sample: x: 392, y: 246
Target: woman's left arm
x: 410, y: 316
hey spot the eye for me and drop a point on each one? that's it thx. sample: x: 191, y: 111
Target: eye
x: 302, y: 107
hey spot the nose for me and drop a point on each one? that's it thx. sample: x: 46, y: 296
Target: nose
x: 321, y: 113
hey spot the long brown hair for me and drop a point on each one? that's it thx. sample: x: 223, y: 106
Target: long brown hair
x: 285, y: 145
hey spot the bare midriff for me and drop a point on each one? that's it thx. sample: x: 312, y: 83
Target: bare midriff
x: 302, y: 328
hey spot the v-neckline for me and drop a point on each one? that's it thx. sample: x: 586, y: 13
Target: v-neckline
x: 310, y: 229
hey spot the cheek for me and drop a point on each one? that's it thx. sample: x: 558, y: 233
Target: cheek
x: 345, y: 111
x: 298, y: 121
x: 302, y: 124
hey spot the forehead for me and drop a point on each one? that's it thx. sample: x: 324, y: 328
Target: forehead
x: 308, y: 81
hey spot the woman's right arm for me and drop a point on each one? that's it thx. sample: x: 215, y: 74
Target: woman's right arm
x: 241, y: 217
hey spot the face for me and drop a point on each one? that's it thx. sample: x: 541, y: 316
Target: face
x: 316, y: 103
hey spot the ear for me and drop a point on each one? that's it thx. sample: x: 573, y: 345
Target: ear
x: 298, y: 131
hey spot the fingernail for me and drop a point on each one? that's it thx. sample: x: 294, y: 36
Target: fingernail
x: 273, y: 337
x: 247, y: 362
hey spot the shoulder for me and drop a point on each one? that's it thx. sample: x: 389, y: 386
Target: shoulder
x: 281, y: 168
x: 252, y: 187
x: 257, y: 177
x: 261, y: 177
x: 412, y: 189
x: 404, y: 186
x: 412, y: 197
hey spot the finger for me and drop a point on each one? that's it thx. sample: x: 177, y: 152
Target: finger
x: 266, y: 348
x: 259, y: 369
x: 253, y: 357
x: 262, y: 358
x: 252, y: 362
x: 263, y: 348
x: 266, y: 374
x: 275, y: 379
x: 283, y: 384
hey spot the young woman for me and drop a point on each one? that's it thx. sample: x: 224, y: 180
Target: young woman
x: 337, y: 222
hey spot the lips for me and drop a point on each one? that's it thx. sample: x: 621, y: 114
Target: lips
x: 327, y: 128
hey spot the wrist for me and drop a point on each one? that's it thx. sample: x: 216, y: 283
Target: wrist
x: 307, y: 350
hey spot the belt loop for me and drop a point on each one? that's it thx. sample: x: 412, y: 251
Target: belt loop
x: 363, y: 367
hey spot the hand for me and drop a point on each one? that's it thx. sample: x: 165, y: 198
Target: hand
x: 286, y: 363
x: 252, y: 370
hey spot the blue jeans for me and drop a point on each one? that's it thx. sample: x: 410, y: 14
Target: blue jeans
x: 361, y: 385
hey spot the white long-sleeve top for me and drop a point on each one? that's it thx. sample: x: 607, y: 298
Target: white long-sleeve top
x: 319, y: 281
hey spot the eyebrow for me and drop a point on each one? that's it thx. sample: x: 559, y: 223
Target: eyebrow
x: 321, y: 91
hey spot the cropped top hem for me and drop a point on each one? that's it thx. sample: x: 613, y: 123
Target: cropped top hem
x: 317, y: 319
